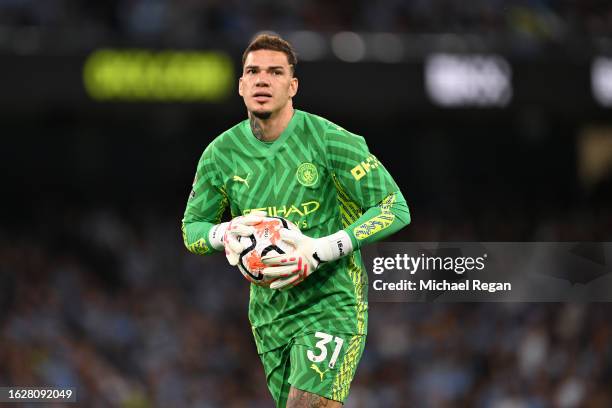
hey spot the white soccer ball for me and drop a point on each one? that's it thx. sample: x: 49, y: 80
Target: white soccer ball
x: 265, y: 241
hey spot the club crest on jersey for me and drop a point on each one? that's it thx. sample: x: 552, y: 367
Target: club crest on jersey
x: 307, y: 174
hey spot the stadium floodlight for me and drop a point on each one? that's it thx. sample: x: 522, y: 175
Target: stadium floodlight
x: 601, y: 80
x: 387, y: 47
x: 348, y: 46
x: 453, y: 80
x: 309, y: 45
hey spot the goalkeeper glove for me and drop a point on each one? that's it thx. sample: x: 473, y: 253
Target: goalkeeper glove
x: 227, y: 235
x: 309, y: 254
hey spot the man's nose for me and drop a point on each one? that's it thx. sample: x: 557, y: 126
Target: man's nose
x: 262, y: 80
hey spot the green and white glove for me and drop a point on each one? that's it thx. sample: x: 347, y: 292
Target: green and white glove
x: 291, y: 269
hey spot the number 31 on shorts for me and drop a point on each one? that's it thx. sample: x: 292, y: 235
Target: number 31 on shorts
x: 322, y: 348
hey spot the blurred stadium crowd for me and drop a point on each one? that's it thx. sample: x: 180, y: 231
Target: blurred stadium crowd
x: 113, y: 305
x: 191, y: 19
x: 98, y: 292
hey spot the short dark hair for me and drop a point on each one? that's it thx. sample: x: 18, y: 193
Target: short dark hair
x: 274, y: 43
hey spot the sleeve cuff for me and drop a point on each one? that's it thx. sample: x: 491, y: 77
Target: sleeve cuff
x: 340, y: 244
x: 215, y: 235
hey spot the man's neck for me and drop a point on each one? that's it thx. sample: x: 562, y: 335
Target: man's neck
x: 268, y: 130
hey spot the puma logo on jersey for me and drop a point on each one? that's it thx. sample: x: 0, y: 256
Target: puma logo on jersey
x: 321, y: 373
x: 244, y: 181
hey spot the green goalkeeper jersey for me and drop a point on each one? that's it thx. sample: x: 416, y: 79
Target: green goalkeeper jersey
x: 322, y: 178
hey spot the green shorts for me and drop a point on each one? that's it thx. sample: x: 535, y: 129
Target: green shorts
x: 320, y: 363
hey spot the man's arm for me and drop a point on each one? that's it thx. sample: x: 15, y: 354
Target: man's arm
x: 371, y: 202
x: 202, y: 233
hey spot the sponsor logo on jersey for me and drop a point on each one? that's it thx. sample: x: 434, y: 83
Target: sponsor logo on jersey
x: 307, y: 174
x: 288, y: 209
x: 244, y: 181
x: 318, y: 371
x: 366, y: 166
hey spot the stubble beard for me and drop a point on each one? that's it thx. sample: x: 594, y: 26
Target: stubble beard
x: 262, y: 115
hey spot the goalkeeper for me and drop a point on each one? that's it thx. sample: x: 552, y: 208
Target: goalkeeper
x: 309, y: 330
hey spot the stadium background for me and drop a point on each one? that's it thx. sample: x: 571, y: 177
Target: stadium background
x: 96, y: 290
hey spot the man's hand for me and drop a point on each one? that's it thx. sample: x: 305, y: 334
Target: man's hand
x: 291, y: 269
x: 239, y: 227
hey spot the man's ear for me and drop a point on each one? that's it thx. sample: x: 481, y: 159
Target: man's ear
x: 240, y: 90
x: 293, y: 87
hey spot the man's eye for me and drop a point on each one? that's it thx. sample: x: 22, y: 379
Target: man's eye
x: 277, y: 73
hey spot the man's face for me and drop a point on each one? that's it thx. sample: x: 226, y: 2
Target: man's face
x: 267, y: 84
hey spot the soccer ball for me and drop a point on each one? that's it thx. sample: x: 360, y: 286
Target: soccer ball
x: 265, y: 241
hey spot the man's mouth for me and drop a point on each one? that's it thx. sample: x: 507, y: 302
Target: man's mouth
x: 262, y: 96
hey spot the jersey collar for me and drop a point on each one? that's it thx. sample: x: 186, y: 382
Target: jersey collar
x: 280, y: 141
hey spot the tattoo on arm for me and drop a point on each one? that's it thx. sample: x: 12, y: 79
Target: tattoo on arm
x: 303, y: 399
x: 256, y: 128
